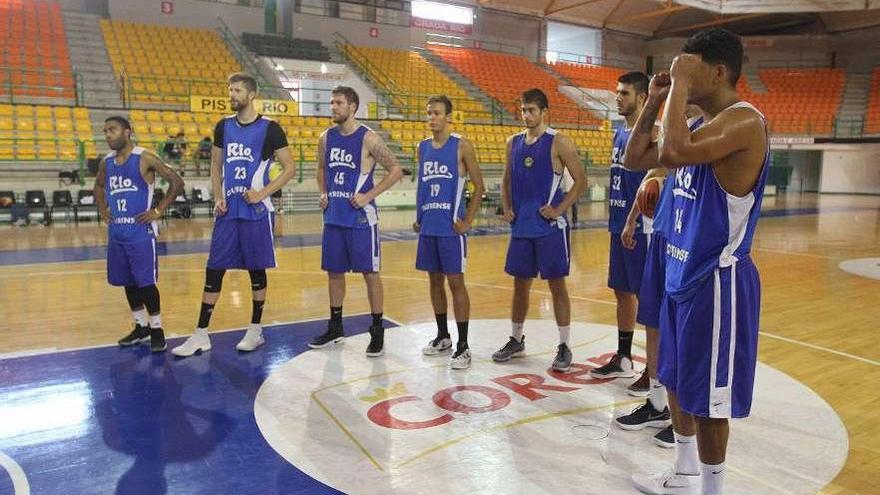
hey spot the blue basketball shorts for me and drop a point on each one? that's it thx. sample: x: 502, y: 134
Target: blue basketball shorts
x: 709, y: 343
x: 132, y: 262
x: 549, y: 256
x: 625, y: 266
x: 242, y: 244
x: 442, y: 254
x: 350, y: 249
x: 653, y: 282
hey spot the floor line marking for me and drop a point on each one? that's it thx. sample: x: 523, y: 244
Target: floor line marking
x: 55, y: 350
x: 821, y: 348
x: 348, y: 433
x: 20, y: 485
x: 513, y: 424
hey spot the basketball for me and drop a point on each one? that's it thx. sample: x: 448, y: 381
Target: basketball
x: 647, y: 196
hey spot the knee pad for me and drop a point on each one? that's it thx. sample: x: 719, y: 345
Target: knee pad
x: 258, y: 279
x: 214, y: 280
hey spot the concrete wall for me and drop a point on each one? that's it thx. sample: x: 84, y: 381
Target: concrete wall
x: 190, y: 13
x: 783, y: 49
x: 855, y: 170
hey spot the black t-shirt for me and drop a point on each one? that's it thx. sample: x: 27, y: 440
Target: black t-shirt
x: 275, y: 137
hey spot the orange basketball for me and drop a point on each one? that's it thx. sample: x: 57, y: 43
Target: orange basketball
x: 647, y: 196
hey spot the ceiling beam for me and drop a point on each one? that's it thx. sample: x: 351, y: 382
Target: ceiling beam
x: 549, y: 6
x: 726, y: 20
x: 569, y: 7
x: 655, y: 13
x: 611, y: 13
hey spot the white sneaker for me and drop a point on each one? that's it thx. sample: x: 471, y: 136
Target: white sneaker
x: 252, y: 339
x: 436, y: 346
x: 197, y: 342
x: 667, y: 483
x: 462, y: 361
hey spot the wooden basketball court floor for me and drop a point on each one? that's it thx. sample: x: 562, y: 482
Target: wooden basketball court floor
x: 819, y: 323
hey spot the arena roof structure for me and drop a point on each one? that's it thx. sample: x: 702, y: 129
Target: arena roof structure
x: 665, y: 18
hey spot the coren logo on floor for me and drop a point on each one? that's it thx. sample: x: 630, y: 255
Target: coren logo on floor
x: 526, y: 387
x: 406, y: 423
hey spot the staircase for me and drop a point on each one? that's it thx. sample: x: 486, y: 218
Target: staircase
x: 88, y: 56
x: 269, y: 84
x: 489, y: 103
x: 751, y: 74
x: 850, y: 119
x: 595, y: 106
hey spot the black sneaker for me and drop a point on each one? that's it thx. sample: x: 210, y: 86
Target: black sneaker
x: 644, y: 416
x: 640, y: 387
x: 157, y: 340
x: 138, y: 335
x: 619, y: 367
x: 377, y: 341
x: 665, y: 438
x: 562, y: 363
x: 333, y: 335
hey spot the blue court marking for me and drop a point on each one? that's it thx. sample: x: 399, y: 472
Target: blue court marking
x: 126, y: 421
x: 172, y: 248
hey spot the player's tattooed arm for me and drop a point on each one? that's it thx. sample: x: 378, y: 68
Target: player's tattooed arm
x: 384, y: 157
x: 320, y: 171
x: 98, y: 192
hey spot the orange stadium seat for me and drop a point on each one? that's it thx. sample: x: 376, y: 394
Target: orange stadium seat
x: 872, y: 114
x: 33, y: 49
x: 590, y: 76
x: 798, y: 101
x: 413, y: 78
x: 505, y: 77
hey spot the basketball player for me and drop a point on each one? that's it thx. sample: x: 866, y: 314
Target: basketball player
x: 124, y: 194
x: 711, y: 305
x: 347, y: 156
x: 534, y: 204
x: 625, y: 265
x: 244, y: 146
x: 446, y: 160
x: 641, y: 153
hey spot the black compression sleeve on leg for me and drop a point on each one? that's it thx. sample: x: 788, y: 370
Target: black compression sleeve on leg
x: 213, y: 280
x: 133, y: 294
x: 258, y: 279
x: 150, y: 296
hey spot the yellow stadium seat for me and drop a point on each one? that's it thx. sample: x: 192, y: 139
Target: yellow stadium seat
x: 81, y: 113
x: 22, y: 124
x: 5, y: 110
x: 83, y: 125
x: 63, y: 113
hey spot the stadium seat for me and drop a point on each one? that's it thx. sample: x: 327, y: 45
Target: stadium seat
x: 156, y: 60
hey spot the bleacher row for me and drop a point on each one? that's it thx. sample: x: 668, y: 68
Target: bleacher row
x: 164, y: 65
x: 34, y: 58
x: 167, y: 64
x: 490, y: 140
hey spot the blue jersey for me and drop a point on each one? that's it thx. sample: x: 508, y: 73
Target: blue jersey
x: 711, y: 228
x: 343, y: 179
x: 244, y: 167
x: 440, y: 188
x: 663, y: 209
x: 128, y: 195
x: 533, y: 185
x: 624, y: 185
